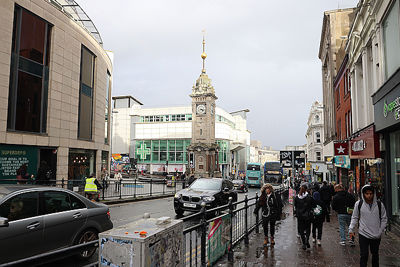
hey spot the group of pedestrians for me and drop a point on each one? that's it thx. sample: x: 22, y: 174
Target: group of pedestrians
x: 312, y: 209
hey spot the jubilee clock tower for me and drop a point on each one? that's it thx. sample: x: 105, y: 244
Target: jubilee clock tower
x: 203, y: 151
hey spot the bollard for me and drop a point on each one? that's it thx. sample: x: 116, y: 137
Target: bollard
x: 257, y: 216
x: 151, y: 186
x: 246, y: 231
x: 203, y: 235
x: 62, y: 183
x: 134, y: 189
x: 230, y: 249
x: 120, y: 188
x: 104, y: 187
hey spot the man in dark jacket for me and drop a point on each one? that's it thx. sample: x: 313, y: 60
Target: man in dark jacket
x: 343, y: 204
x: 304, y: 205
x: 326, y: 197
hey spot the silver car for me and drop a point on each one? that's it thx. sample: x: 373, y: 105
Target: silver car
x: 34, y: 220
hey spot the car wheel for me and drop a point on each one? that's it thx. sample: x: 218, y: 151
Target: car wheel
x: 86, y: 236
x: 179, y: 212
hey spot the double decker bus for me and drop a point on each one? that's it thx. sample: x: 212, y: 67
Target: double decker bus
x: 254, y: 175
x: 273, y: 174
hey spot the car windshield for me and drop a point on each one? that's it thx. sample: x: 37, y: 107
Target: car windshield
x: 205, y: 184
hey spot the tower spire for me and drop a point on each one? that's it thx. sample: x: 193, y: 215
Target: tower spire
x: 204, y: 55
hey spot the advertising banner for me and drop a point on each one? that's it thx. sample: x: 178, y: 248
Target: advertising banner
x: 299, y: 159
x: 342, y: 161
x: 13, y: 157
x: 218, y: 238
x: 365, y: 145
x: 286, y: 159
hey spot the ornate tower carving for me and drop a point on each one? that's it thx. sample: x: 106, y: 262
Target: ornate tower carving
x: 203, y: 151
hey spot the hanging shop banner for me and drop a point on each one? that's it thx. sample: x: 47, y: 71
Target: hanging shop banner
x: 286, y: 159
x: 365, y: 145
x: 218, y: 238
x: 342, y: 162
x: 341, y: 148
x: 13, y: 157
x: 387, y: 103
x: 299, y: 159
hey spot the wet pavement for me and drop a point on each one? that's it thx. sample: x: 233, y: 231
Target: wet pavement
x: 288, y: 252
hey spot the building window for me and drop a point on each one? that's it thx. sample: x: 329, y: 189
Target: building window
x: 318, y: 137
x: 29, y: 73
x: 108, y: 93
x: 391, y: 40
x: 318, y: 156
x: 316, y: 119
x: 85, y: 115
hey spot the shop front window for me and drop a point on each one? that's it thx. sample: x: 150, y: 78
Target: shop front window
x: 81, y: 164
x: 395, y: 171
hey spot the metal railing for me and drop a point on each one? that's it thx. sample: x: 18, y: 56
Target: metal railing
x: 242, y: 222
x: 113, y: 189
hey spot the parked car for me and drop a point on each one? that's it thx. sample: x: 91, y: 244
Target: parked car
x: 240, y: 185
x: 213, y: 191
x: 35, y: 220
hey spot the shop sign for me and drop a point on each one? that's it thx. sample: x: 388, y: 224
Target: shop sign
x: 13, y: 157
x: 342, y: 162
x: 299, y: 159
x: 387, y: 104
x: 341, y: 148
x: 365, y: 145
x: 308, y: 166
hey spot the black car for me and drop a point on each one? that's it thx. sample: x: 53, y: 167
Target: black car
x: 213, y: 191
x: 35, y: 220
x: 240, y: 185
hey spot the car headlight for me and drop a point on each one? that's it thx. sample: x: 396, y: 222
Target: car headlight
x: 177, y: 195
x: 209, y: 198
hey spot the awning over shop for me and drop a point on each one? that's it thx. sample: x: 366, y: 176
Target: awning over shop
x: 237, y: 146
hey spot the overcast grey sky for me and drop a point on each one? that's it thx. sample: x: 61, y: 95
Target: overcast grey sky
x: 262, y: 55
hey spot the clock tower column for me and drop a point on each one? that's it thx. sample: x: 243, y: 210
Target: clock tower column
x: 203, y: 151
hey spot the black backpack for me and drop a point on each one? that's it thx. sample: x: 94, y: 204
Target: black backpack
x: 280, y: 206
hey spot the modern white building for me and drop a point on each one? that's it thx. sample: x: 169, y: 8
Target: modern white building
x: 159, y: 137
x: 315, y: 145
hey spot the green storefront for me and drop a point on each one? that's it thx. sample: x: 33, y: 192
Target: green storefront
x: 172, y: 151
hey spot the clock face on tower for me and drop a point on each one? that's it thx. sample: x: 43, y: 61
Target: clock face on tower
x: 201, y: 109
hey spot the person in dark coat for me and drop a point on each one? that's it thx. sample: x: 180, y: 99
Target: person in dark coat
x: 43, y: 173
x: 326, y: 197
x: 319, y: 218
x: 343, y: 203
x: 304, y: 205
x: 271, y: 208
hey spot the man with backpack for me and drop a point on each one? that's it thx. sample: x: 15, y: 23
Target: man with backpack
x: 370, y: 214
x: 343, y: 203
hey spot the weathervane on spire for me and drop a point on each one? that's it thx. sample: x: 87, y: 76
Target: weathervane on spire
x: 204, y: 55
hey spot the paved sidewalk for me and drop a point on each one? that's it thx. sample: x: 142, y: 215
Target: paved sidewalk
x: 288, y: 252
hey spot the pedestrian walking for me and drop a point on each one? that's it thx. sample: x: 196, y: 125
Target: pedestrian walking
x: 118, y: 181
x: 319, y: 213
x: 326, y: 197
x: 343, y: 204
x: 304, y: 205
x: 370, y: 214
x: 271, y: 208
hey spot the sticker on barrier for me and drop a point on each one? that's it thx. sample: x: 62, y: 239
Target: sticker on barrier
x: 218, y: 238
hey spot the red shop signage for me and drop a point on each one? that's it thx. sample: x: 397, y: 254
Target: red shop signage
x: 365, y: 145
x: 341, y: 148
